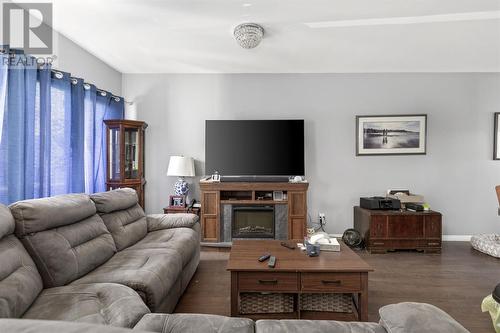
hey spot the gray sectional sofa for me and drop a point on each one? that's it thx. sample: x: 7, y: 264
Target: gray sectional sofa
x: 95, y: 258
x: 395, y: 318
x: 98, y: 261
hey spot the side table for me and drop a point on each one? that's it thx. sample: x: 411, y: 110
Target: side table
x: 177, y: 210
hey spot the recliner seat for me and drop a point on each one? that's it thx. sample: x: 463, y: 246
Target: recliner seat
x: 21, y: 294
x: 107, y: 238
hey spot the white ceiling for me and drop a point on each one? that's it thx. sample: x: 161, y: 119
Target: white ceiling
x: 301, y: 36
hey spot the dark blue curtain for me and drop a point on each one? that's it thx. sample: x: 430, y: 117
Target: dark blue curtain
x: 51, y: 131
x: 107, y: 106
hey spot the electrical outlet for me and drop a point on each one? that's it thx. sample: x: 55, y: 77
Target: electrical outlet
x: 322, y: 219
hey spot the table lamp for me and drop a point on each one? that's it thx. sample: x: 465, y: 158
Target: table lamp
x: 181, y: 167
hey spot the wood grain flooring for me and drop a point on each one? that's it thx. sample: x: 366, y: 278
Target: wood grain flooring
x: 456, y: 281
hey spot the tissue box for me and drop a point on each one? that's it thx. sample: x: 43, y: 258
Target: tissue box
x: 330, y: 244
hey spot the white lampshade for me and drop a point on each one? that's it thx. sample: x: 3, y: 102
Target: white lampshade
x: 181, y: 166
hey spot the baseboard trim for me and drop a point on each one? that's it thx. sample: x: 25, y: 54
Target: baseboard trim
x: 446, y: 238
x: 456, y: 238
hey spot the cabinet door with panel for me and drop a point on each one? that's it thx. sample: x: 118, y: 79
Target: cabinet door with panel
x: 297, y: 214
x: 433, y: 226
x: 405, y: 226
x: 378, y: 227
x: 210, y: 215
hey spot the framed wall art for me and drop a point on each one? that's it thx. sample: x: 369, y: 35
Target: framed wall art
x: 496, y: 144
x: 391, y: 135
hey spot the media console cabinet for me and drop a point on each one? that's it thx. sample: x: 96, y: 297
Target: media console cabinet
x: 385, y: 230
x: 216, y: 194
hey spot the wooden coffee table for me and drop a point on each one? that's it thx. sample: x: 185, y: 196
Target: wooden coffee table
x: 299, y: 277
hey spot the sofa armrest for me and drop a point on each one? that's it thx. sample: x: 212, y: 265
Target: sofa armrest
x: 169, y: 221
x: 411, y: 317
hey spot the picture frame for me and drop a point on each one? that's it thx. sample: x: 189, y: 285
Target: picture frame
x: 391, y: 135
x: 278, y: 196
x: 177, y: 201
x: 496, y: 143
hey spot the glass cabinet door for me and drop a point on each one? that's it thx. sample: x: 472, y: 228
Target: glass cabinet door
x: 114, y: 153
x: 131, y: 153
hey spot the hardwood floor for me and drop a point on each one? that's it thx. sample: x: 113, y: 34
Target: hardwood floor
x: 456, y: 281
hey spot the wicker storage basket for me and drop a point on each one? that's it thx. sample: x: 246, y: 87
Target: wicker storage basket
x: 252, y: 303
x: 326, y: 302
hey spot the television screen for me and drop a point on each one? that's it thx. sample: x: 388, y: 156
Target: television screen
x: 254, y: 147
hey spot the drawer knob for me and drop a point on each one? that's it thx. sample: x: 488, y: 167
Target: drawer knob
x: 268, y: 281
x: 378, y: 243
x: 433, y: 244
x: 331, y: 282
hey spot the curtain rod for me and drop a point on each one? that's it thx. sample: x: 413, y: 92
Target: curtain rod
x: 60, y: 75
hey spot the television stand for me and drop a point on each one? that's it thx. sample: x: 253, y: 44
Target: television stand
x: 260, y: 179
x: 216, y: 195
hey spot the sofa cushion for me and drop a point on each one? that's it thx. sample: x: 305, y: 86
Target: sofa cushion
x: 193, y: 323
x: 183, y: 241
x: 43, y: 214
x: 417, y: 317
x: 6, y: 221
x: 124, y: 218
x: 99, y: 303
x: 168, y: 221
x: 126, y: 226
x: 316, y: 326
x: 111, y: 201
x: 64, y: 236
x: 20, y: 282
x: 50, y: 326
x: 151, y: 273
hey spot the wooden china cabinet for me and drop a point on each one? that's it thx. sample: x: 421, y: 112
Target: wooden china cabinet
x: 125, y: 155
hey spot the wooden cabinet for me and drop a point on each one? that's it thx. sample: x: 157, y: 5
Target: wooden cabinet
x: 395, y: 230
x: 297, y: 214
x: 213, y: 195
x: 125, y: 155
x: 210, y: 215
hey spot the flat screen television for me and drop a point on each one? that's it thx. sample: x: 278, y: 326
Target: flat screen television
x: 254, y: 147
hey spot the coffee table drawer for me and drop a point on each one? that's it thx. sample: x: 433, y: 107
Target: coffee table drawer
x: 331, y: 282
x: 267, y: 281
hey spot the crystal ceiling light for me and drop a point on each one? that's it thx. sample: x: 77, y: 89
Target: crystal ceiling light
x: 248, y: 35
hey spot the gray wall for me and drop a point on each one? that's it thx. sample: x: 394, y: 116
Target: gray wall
x: 80, y: 63
x: 457, y: 176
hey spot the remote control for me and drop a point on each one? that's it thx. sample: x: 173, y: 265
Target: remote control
x: 272, y: 262
x: 288, y: 246
x: 264, y: 257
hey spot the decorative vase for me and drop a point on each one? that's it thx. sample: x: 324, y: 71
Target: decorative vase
x: 181, y: 187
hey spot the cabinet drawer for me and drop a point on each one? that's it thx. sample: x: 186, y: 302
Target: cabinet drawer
x: 378, y: 226
x: 431, y: 243
x: 331, y: 282
x: 379, y: 243
x: 433, y: 226
x: 257, y: 281
x: 405, y: 226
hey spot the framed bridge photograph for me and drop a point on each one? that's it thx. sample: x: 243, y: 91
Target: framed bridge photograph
x: 391, y: 135
x: 496, y: 144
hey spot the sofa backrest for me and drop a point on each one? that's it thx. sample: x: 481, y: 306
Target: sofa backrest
x: 123, y: 216
x: 20, y: 282
x: 64, y: 236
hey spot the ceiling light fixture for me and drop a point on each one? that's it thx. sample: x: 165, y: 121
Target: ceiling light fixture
x: 248, y: 35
